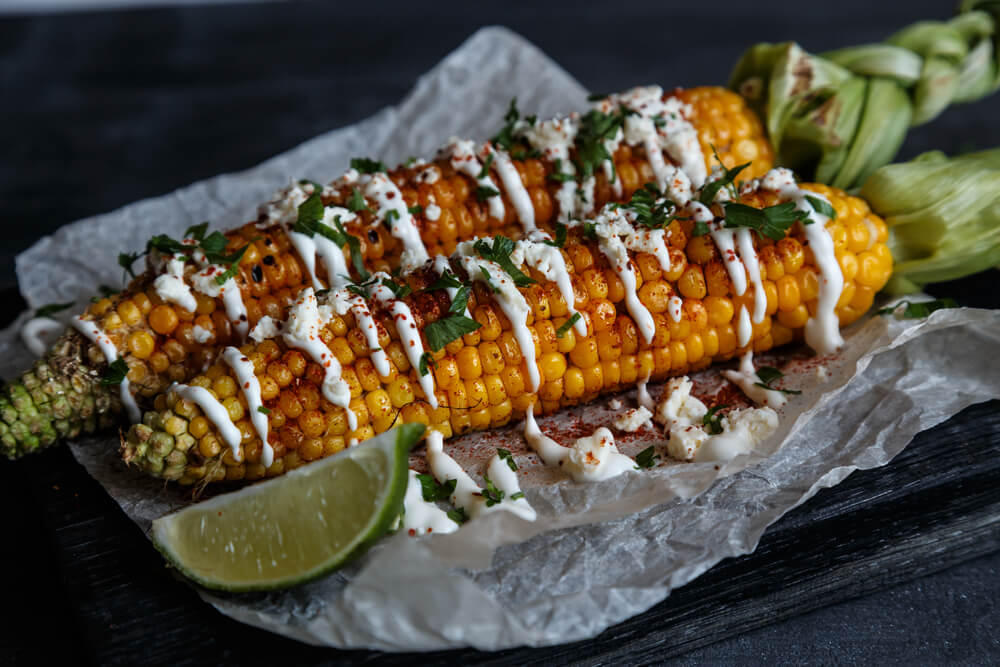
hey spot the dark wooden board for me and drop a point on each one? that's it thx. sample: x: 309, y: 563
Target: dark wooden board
x: 103, y: 109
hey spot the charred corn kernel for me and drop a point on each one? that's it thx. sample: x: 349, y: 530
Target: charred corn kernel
x: 163, y: 319
x: 141, y: 344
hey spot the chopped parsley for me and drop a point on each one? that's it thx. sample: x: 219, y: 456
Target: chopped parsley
x: 357, y: 202
x: 491, y: 493
x: 485, y: 171
x: 713, y: 420
x: 567, y: 325
x: 589, y: 230
x: 710, y: 189
x: 310, y: 222
x: 507, y: 457
x: 517, y: 496
x: 367, y: 166
x: 914, y: 311
x: 445, y: 280
x: 558, y: 176
x: 53, y: 308
x: 560, y: 237
x: 489, y: 280
x: 165, y: 244
x: 399, y: 290
x: 525, y: 154
x: 500, y: 251
x: 115, y: 374
x: 234, y: 265
x: 505, y: 137
x: 432, y: 490
x: 646, y: 458
x: 454, y: 325
x: 772, y: 222
x: 700, y: 228
x: 484, y: 192
x: 595, y: 128
x: 650, y: 212
x: 822, y: 207
x: 415, y: 210
x: 426, y: 361
x: 597, y: 97
x: 767, y: 375
x: 262, y: 410
x: 458, y: 515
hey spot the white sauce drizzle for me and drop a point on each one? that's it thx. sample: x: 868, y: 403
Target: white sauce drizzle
x: 549, y: 261
x: 822, y: 331
x: 215, y: 412
x: 421, y: 517
x: 409, y: 335
x: 746, y: 378
x: 468, y: 495
x: 591, y: 459
x: 464, y: 160
x: 516, y: 192
x: 643, y: 397
x: 510, y: 300
x: 744, y: 330
x: 40, y: 332
x: 388, y: 198
x: 302, y: 331
x: 441, y: 265
x: 93, y: 333
x: 250, y: 387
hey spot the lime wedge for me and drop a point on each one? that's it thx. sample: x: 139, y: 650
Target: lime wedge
x: 296, y: 527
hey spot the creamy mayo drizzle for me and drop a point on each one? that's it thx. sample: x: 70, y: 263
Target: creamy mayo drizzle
x: 746, y: 378
x: 590, y: 459
x: 204, y: 281
x: 643, y: 397
x: 510, y: 300
x: 516, y: 192
x: 744, y: 330
x: 409, y: 335
x: 250, y: 387
x: 822, y: 330
x: 468, y: 495
x: 464, y: 160
x: 549, y: 261
x: 39, y: 332
x: 215, y: 412
x: 369, y: 328
x: 93, y: 333
x: 388, y: 198
x: 421, y: 517
x: 302, y: 331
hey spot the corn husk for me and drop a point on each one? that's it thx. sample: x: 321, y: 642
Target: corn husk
x: 943, y: 215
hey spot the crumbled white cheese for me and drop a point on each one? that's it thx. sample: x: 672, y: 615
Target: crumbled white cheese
x: 596, y: 457
x: 267, y: 327
x: 170, y: 286
x: 615, y: 404
x: 633, y: 419
x: 433, y: 212
x: 822, y: 374
x: 201, y: 335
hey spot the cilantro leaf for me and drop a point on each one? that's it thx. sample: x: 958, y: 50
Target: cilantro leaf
x: 646, y: 458
x: 767, y: 375
x: 366, y: 166
x: 234, y: 265
x: 507, y: 457
x: 449, y: 328
x: 491, y: 493
x: 500, y: 252
x: 214, y: 246
x: 915, y: 311
x: 700, y: 228
x: 595, y: 128
x: 53, y: 308
x: 126, y: 260
x: 444, y: 281
x: 489, y: 279
x: 458, y: 515
x: 166, y: 245
x: 560, y: 177
x: 115, y: 374
x: 517, y: 496
x: 560, y: 237
x: 196, y: 232
x: 264, y: 411
x: 712, y: 420
x: 483, y: 193
x: 357, y: 202
x: 505, y: 137
x: 432, y: 490
x: 426, y: 361
x: 650, y: 212
x: 485, y: 171
x: 772, y: 222
x: 415, y: 210
x: 567, y: 325
x: 399, y: 290
x: 710, y: 189
x: 822, y: 207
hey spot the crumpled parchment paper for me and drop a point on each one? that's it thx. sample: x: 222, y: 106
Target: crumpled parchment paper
x: 598, y: 553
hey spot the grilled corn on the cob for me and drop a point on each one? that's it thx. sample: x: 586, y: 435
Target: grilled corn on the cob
x: 699, y: 303
x: 164, y: 332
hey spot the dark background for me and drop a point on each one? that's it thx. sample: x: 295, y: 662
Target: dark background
x: 102, y: 109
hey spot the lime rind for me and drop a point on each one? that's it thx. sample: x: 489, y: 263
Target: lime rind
x: 393, y: 445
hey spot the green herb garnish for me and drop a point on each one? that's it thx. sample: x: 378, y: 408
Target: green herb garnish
x: 560, y: 241
x: 367, y: 166
x: 53, y: 308
x: 357, y: 202
x: 485, y: 171
x: 491, y: 493
x: 713, y: 421
x: 507, y: 457
x: 454, y: 325
x: 822, y: 207
x: 500, y: 252
x: 432, y: 490
x: 484, y: 192
x: 646, y: 458
x: 426, y: 361
x: 767, y: 375
x: 115, y: 374
x: 772, y: 222
x: 595, y: 128
x: 567, y: 325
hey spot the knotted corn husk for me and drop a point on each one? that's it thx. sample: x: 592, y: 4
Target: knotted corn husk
x: 837, y: 117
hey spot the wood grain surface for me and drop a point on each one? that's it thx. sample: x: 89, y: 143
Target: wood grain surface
x: 103, y: 109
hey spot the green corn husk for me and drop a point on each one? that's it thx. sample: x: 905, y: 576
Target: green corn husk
x: 837, y: 117
x: 943, y: 216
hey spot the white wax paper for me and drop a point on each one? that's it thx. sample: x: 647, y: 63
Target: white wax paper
x: 598, y: 553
